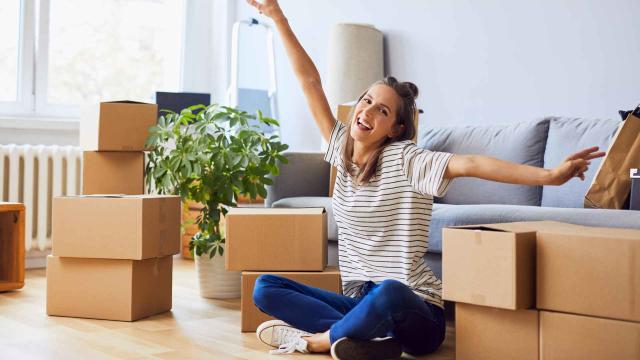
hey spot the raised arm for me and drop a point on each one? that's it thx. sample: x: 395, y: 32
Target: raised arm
x: 488, y: 168
x: 306, y: 72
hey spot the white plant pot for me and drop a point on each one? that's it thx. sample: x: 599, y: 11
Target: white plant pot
x: 215, y: 281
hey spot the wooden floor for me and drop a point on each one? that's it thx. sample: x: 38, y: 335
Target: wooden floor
x: 196, y: 328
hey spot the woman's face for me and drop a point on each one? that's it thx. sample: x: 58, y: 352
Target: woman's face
x: 375, y: 115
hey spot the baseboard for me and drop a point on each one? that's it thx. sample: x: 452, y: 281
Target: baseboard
x: 36, y: 259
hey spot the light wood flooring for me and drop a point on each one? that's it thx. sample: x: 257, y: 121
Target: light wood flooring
x: 196, y: 328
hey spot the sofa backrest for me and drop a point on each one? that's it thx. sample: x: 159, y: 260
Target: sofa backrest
x: 567, y: 136
x: 519, y: 142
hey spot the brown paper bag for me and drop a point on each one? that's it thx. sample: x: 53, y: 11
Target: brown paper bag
x: 611, y: 186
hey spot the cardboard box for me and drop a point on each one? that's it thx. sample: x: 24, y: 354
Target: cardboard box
x: 113, y: 172
x: 568, y: 337
x: 495, y: 334
x: 268, y: 239
x: 116, y: 125
x: 108, y: 289
x: 502, y: 255
x: 490, y: 265
x: 589, y: 271
x: 329, y: 279
x: 116, y: 227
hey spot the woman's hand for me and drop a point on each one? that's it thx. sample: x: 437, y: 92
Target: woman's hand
x: 573, y: 166
x: 268, y: 7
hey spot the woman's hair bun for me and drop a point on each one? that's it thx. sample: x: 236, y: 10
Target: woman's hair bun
x: 412, y: 88
x: 404, y: 89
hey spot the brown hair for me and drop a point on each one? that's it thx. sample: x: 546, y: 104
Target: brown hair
x: 408, y: 92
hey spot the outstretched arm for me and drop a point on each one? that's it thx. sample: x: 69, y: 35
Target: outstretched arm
x: 306, y: 72
x: 488, y: 168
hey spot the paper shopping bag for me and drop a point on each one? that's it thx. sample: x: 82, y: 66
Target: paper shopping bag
x: 611, y: 186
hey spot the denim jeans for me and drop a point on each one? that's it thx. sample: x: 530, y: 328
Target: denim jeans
x: 389, y: 308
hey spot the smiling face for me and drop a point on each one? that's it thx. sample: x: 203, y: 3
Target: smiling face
x: 375, y: 116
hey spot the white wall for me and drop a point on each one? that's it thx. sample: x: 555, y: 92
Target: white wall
x: 477, y: 61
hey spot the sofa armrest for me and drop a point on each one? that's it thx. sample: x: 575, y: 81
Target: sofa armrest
x: 306, y: 174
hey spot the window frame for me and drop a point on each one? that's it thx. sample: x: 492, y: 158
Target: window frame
x: 26, y: 51
x: 33, y: 66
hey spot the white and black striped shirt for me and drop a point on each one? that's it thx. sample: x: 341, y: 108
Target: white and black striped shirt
x: 383, y: 226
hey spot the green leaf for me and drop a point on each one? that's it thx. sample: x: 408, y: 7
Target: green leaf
x: 209, y: 154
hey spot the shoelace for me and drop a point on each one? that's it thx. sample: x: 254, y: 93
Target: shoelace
x: 290, y: 341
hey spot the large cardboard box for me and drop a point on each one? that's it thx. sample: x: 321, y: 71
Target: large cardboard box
x: 116, y: 125
x: 494, y: 264
x: 108, y: 289
x: 329, y: 279
x: 589, y: 271
x: 113, y: 172
x: 569, y: 337
x: 490, y: 265
x: 268, y: 239
x: 495, y: 334
x: 116, y: 227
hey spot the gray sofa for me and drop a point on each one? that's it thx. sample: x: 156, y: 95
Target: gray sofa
x: 304, y: 181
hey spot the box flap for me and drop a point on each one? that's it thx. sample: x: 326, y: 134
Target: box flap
x: 275, y: 211
x: 602, y: 232
x: 119, y: 196
x: 506, y: 227
x: 126, y: 102
x: 523, y: 226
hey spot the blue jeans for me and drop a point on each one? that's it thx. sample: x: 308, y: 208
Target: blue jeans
x: 389, y: 308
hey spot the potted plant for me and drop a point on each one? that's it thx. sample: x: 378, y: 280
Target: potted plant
x: 211, y: 155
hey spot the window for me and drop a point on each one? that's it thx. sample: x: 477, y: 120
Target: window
x: 88, y: 51
x: 9, y: 49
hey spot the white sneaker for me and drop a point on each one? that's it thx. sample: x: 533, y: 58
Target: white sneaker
x: 285, y: 337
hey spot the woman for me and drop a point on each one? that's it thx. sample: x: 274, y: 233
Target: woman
x: 382, y: 204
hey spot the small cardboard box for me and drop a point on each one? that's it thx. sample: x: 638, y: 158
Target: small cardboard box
x: 116, y: 227
x: 569, y: 337
x: 108, y: 289
x: 495, y: 334
x: 489, y: 265
x: 589, y: 271
x: 116, y: 126
x: 268, y: 239
x: 329, y: 279
x: 113, y: 172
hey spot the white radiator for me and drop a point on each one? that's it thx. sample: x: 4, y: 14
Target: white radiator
x: 33, y: 175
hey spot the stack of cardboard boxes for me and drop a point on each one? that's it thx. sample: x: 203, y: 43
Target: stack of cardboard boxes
x: 112, y: 136
x: 543, y: 290
x: 112, y: 254
x: 288, y: 242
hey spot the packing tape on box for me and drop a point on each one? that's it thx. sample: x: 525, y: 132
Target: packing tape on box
x: 162, y: 213
x: 478, y: 299
x: 478, y: 237
x: 156, y: 267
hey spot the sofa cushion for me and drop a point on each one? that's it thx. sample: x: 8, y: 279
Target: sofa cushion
x: 312, y: 201
x: 445, y: 215
x: 521, y: 142
x: 566, y: 136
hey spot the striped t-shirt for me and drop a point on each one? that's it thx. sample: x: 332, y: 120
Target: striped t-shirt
x: 383, y: 226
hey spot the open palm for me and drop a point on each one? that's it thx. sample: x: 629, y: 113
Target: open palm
x: 574, y: 165
x: 267, y: 7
